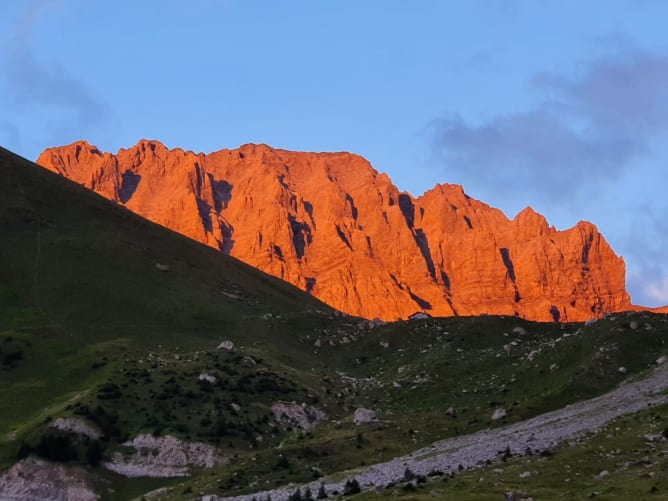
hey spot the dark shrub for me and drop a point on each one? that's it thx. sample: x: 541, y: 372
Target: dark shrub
x: 282, y: 463
x: 56, y: 446
x: 108, y: 391
x: 94, y: 453
x: 351, y: 487
x: 295, y: 496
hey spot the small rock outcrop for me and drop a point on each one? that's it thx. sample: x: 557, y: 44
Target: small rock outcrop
x: 300, y: 415
x: 499, y: 414
x: 363, y: 415
x: 375, y: 322
x: 207, y: 377
x: 35, y: 479
x: 226, y: 345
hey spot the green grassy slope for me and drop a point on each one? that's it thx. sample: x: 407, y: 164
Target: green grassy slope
x: 439, y: 378
x: 79, y: 289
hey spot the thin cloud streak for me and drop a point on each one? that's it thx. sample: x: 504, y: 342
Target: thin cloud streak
x: 658, y: 291
x: 647, y: 242
x: 536, y: 149
x: 625, y: 92
x: 593, y: 127
x: 31, y: 86
x: 585, y: 140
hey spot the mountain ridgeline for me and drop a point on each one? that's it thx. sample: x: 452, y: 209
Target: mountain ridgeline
x: 335, y: 227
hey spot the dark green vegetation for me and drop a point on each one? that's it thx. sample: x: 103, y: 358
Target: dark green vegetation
x: 91, y: 328
x: 451, y: 375
x: 163, y: 395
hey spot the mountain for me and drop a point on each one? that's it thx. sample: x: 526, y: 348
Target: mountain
x: 130, y: 353
x: 335, y: 227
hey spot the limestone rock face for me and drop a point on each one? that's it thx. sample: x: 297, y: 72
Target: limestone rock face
x: 303, y: 416
x: 335, y: 227
x: 168, y: 456
x: 34, y: 478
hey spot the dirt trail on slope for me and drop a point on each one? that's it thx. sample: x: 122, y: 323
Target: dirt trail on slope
x: 539, y: 433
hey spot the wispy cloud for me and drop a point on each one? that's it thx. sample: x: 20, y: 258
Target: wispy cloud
x: 536, y: 149
x: 590, y: 133
x: 47, y: 89
x: 590, y: 127
x: 646, y: 243
x: 624, y: 93
x: 658, y: 291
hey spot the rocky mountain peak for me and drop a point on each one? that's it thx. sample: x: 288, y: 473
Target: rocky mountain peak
x: 334, y: 226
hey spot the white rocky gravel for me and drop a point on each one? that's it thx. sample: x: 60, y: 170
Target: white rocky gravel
x: 36, y: 479
x: 162, y: 457
x: 470, y: 451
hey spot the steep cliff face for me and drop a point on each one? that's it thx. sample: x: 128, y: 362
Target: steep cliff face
x: 334, y: 226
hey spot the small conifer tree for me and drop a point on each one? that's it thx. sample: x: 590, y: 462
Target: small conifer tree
x: 351, y: 487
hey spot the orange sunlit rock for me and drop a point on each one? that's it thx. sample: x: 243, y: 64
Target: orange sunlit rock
x: 332, y: 225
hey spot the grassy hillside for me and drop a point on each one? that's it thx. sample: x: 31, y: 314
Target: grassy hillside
x: 79, y: 291
x: 90, y: 327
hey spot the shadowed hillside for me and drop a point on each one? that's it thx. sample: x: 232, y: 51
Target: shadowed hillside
x: 83, y: 280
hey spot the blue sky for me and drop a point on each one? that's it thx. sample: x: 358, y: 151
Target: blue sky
x: 561, y: 105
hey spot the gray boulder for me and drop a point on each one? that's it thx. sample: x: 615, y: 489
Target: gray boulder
x: 363, y: 415
x: 499, y: 414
